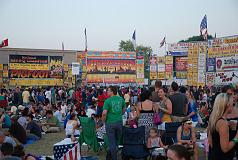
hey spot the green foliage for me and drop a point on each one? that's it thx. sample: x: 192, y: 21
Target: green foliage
x: 126, y: 46
x: 196, y: 38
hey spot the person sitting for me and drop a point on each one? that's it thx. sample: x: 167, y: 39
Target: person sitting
x: 5, y: 121
x: 72, y: 126
x: 23, y: 119
x: 186, y: 136
x: 7, y: 151
x: 4, y: 139
x: 18, y: 132
x: 154, y: 142
x: 33, y: 129
x: 52, y: 122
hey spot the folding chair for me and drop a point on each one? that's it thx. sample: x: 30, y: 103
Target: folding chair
x: 134, y: 143
x: 170, y: 135
x: 88, y: 134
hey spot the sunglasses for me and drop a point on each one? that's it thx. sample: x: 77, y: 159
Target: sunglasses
x: 189, y: 123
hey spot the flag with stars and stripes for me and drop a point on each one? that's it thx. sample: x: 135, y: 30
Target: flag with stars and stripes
x: 64, y: 151
x: 203, y: 28
x: 162, y: 42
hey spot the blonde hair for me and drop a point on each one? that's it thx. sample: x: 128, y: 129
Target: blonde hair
x: 219, y: 109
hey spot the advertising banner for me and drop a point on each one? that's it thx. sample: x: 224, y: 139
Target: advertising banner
x: 178, y: 49
x: 211, y: 65
x: 35, y: 82
x: 223, y: 78
x: 140, y: 68
x: 210, y: 79
x: 111, y: 66
x: 56, y: 67
x: 181, y: 63
x: 181, y: 75
x: 153, y: 67
x: 28, y: 62
x: 28, y: 73
x: 227, y: 63
x: 111, y: 78
x: 75, y: 68
x: 161, y: 75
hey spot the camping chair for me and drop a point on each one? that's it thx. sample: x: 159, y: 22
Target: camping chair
x: 88, y: 134
x: 170, y: 135
x: 134, y: 143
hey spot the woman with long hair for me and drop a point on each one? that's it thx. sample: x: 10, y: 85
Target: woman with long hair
x: 192, y: 108
x: 222, y: 146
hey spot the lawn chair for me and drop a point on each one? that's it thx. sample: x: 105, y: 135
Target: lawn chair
x: 88, y: 134
x: 170, y: 135
x: 134, y: 143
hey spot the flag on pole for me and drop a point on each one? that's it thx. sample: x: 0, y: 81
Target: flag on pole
x: 63, y: 46
x: 203, y: 27
x: 4, y: 43
x: 86, y: 39
x: 162, y: 42
x: 134, y: 39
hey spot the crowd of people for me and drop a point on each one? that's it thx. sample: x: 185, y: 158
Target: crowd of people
x: 28, y: 113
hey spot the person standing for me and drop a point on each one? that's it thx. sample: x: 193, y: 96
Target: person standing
x: 155, y: 95
x: 179, y: 104
x: 113, y: 109
x: 222, y: 145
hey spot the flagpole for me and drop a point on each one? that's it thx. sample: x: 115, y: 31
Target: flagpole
x: 63, y: 61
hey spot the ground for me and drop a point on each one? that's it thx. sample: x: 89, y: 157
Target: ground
x: 45, y: 146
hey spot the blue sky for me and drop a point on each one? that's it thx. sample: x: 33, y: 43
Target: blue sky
x: 46, y: 23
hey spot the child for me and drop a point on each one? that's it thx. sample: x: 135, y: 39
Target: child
x: 132, y: 117
x: 155, y: 142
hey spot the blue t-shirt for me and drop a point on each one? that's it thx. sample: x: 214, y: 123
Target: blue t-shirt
x: 192, y: 107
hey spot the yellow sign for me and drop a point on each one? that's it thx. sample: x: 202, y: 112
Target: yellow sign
x: 161, y: 75
x: 28, y: 66
x: 36, y: 82
x: 1, y: 66
x: 169, y: 60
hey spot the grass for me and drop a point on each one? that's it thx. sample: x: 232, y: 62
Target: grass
x: 45, y: 147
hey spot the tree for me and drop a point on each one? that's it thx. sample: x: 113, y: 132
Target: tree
x: 144, y: 50
x: 196, y: 38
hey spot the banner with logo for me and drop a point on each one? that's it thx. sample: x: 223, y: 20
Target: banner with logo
x: 56, y: 67
x: 223, y: 78
x: 211, y: 65
x: 227, y: 63
x: 27, y: 62
x: 153, y: 67
x: 140, y: 67
x: 181, y: 64
x: 210, y: 79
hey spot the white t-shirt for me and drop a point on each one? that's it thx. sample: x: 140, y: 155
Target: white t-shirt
x: 48, y: 94
x: 90, y: 112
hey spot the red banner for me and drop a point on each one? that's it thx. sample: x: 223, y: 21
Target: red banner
x: 181, y: 63
x: 29, y: 74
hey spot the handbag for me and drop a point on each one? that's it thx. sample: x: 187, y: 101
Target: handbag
x: 157, y: 119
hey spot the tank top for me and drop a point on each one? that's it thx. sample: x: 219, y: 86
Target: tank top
x: 165, y: 116
x: 146, y: 111
x: 69, y: 129
x: 155, y: 142
x: 216, y: 151
x: 186, y: 137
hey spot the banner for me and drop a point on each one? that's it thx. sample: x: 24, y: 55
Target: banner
x: 111, y: 66
x: 35, y: 82
x: 13, y: 73
x: 181, y: 64
x: 211, y: 65
x: 223, y: 78
x: 56, y: 67
x: 161, y: 64
x: 28, y: 62
x: 153, y: 67
x: 111, y: 78
x: 75, y: 68
x: 140, y: 68
x: 161, y: 75
x: 210, y: 79
x: 181, y: 75
x: 178, y: 49
x: 227, y: 64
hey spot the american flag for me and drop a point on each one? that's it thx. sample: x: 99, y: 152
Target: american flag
x: 162, y: 42
x: 4, y: 43
x: 67, y: 151
x: 203, y: 27
x: 134, y: 39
